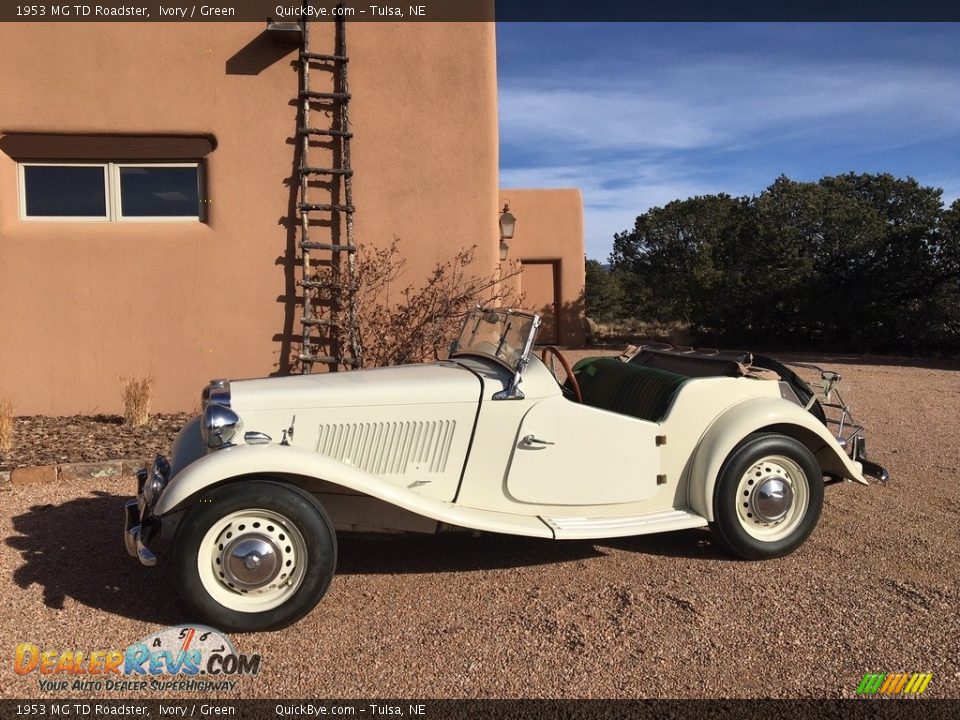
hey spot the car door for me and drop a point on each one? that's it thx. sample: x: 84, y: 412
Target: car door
x: 571, y: 454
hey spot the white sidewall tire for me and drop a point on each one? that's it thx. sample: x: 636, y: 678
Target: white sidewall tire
x: 778, y: 455
x: 292, y: 512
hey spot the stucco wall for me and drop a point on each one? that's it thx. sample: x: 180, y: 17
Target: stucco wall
x: 83, y: 304
x: 550, y: 230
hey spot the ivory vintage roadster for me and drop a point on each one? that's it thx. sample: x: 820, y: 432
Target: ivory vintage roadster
x: 658, y: 439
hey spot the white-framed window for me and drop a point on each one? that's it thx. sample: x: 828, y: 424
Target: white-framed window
x: 110, y: 191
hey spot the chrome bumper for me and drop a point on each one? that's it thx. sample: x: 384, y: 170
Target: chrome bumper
x: 131, y: 535
x: 859, y: 453
x: 137, y: 517
x: 839, y: 417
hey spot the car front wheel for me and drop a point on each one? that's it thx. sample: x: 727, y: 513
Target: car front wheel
x: 254, y: 555
x: 768, y: 497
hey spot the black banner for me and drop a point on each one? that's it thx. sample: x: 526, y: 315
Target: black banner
x: 486, y: 709
x: 482, y: 11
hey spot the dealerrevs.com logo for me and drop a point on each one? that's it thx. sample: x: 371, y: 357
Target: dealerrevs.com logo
x: 894, y: 684
x: 181, y: 657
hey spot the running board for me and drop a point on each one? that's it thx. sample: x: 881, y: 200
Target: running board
x: 583, y: 528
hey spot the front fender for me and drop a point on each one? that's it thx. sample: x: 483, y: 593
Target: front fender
x: 188, y: 446
x: 242, y: 460
x: 759, y: 414
x: 246, y: 460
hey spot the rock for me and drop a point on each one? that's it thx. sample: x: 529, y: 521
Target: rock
x: 34, y: 475
x: 91, y: 471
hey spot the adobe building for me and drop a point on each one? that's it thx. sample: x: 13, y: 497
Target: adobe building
x: 549, y: 245
x: 148, y: 196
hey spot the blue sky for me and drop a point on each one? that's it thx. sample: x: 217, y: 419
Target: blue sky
x: 640, y: 114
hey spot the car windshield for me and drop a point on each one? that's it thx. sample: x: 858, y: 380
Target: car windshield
x: 506, y: 335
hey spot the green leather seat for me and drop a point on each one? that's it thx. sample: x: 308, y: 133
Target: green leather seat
x: 635, y: 390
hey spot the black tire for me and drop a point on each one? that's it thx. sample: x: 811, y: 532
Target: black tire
x: 297, y: 505
x: 728, y: 525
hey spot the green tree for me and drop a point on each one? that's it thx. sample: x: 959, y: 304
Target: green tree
x: 866, y: 262
x: 604, y: 293
x: 893, y: 270
x: 670, y: 259
x: 943, y: 306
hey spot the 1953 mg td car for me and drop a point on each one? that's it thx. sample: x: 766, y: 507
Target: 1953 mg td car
x: 658, y: 439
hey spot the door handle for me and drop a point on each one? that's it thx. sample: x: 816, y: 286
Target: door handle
x: 531, y: 441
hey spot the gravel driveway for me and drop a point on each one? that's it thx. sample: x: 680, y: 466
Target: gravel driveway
x: 874, y: 589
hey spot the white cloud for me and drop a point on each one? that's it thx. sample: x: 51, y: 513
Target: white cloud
x: 615, y: 193
x: 632, y: 140
x: 729, y: 104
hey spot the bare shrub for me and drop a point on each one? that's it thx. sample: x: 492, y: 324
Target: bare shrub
x: 6, y: 426
x: 137, y: 396
x: 632, y: 330
x: 417, y: 323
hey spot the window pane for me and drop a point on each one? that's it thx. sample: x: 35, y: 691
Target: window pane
x: 159, y: 192
x: 64, y: 191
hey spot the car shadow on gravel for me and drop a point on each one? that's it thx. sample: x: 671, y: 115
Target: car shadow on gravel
x: 75, y: 550
x: 454, y: 552
x: 462, y: 552
x: 693, y: 544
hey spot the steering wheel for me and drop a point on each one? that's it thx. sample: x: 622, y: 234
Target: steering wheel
x: 575, y: 386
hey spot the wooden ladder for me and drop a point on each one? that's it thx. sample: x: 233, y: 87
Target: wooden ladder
x: 331, y: 333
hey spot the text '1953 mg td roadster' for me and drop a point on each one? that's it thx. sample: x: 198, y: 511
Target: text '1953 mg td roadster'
x: 658, y: 439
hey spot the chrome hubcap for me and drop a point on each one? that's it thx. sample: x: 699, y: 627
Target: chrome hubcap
x: 772, y: 498
x: 256, y: 553
x: 251, y: 561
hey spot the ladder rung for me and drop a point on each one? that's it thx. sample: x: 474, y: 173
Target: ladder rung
x: 328, y: 360
x: 314, y: 321
x: 319, y: 284
x: 325, y: 207
x: 323, y: 58
x: 328, y: 246
x: 324, y: 131
x: 313, y: 95
x: 325, y: 171
x: 317, y: 358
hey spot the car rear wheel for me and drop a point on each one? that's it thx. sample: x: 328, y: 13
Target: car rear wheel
x: 254, y: 555
x: 768, y: 497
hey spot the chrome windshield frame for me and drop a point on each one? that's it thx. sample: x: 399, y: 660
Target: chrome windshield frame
x: 512, y: 390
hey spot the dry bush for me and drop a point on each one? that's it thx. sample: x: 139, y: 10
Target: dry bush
x: 137, y: 396
x: 675, y: 333
x: 417, y: 323
x: 6, y: 426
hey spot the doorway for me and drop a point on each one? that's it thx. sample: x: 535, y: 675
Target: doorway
x: 540, y: 282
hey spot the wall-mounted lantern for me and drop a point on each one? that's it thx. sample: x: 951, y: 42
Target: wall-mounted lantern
x: 508, y: 223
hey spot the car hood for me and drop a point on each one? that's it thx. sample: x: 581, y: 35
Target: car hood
x: 441, y: 382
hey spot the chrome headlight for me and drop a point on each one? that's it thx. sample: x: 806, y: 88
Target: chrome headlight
x: 156, y: 480
x: 219, y: 426
x: 216, y: 391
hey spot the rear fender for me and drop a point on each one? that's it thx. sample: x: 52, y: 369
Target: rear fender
x: 761, y: 415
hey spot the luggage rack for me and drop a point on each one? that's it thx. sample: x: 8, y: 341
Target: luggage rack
x: 839, y: 417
